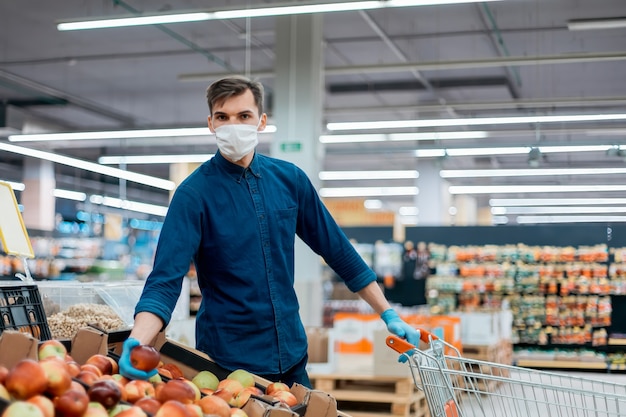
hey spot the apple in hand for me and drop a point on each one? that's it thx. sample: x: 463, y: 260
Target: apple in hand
x: 144, y: 357
x: 52, y: 348
x: 72, y: 403
x: 22, y: 409
x: 26, y: 379
x: 106, y: 392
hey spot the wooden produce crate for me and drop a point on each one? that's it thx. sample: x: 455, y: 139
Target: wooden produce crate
x: 500, y: 353
x: 373, y: 396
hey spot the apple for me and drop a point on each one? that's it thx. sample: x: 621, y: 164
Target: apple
x: 57, y: 374
x: 206, y: 391
x: 22, y: 409
x: 238, y: 412
x: 214, y: 405
x: 241, y: 399
x: 132, y: 412
x: 115, y: 367
x: 172, y: 408
x: 155, y: 379
x: 164, y: 373
x: 226, y: 395
x: 206, y: 379
x: 26, y: 379
x: 75, y: 384
x: 95, y: 409
x: 276, y: 386
x: 118, y: 408
x: 194, y: 410
x: 137, y: 389
x: 174, y: 370
x: 91, y: 368
x: 4, y: 371
x: 176, y: 389
x: 148, y: 404
x: 51, y: 348
x: 102, y: 362
x: 231, y: 385
x: 44, y: 403
x: 243, y: 376
x: 72, y: 403
x: 121, y: 379
x: 87, y: 377
x: 73, y: 368
x: 106, y: 392
x: 285, y: 397
x: 144, y: 357
x: 194, y: 387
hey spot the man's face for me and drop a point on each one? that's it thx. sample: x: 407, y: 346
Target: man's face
x: 240, y: 109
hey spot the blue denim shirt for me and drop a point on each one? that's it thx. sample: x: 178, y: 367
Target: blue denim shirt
x: 239, y: 227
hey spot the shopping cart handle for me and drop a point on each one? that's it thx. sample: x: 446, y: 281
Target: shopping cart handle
x: 402, y: 346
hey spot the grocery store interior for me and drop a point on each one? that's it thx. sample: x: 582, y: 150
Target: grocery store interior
x: 472, y: 151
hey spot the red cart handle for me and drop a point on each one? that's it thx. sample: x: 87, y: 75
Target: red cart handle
x: 401, y: 346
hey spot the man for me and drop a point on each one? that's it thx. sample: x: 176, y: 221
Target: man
x: 237, y: 217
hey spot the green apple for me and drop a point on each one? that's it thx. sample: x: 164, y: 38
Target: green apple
x: 243, y: 376
x: 22, y: 409
x: 205, y: 379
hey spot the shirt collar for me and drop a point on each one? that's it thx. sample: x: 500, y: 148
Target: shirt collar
x: 236, y: 171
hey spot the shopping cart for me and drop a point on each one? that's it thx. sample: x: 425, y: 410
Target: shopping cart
x: 458, y: 387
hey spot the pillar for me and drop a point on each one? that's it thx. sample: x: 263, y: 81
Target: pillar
x: 433, y: 200
x: 297, y: 114
x: 38, y: 198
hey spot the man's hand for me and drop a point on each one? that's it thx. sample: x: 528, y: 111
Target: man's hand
x: 126, y: 369
x: 400, y: 328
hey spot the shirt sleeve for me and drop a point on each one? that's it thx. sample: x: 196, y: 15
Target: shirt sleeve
x: 178, y: 243
x: 317, y: 228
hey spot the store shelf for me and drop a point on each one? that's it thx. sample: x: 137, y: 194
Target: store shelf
x: 528, y: 363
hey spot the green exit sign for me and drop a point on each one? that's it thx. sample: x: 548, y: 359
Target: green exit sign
x: 291, y: 147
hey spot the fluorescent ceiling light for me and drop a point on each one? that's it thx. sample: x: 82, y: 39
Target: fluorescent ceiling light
x: 154, y: 159
x: 367, y: 175
x: 121, y: 134
x: 554, y: 201
x: 482, y: 173
x: 17, y: 186
x: 557, y: 210
x: 509, y: 189
x: 129, y: 205
x: 285, y: 9
x: 594, y: 24
x: 474, y: 121
x: 367, y: 191
x: 402, y: 137
x: 569, y: 219
x: 69, y: 195
x: 90, y: 166
x: 510, y: 150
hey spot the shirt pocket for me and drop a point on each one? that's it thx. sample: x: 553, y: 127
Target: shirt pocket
x: 286, y: 220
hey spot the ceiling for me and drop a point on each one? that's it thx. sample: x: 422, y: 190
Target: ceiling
x: 501, y: 58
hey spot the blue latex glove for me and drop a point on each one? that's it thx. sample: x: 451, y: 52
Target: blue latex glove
x: 401, y: 329
x: 126, y: 369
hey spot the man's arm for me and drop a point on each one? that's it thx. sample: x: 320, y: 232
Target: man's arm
x: 147, y: 326
x: 373, y: 295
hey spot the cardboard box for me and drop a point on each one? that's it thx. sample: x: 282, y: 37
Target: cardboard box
x: 322, y: 356
x: 479, y: 328
x: 386, y: 359
x: 15, y: 346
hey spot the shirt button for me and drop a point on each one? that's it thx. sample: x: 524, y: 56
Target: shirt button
x: 261, y: 216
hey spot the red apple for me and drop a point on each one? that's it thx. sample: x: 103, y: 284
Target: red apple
x: 51, y: 348
x: 102, y: 362
x: 22, y: 409
x: 91, y: 368
x: 137, y: 389
x: 87, y: 377
x: 75, y: 385
x: 276, y: 386
x: 214, y: 405
x: 194, y: 387
x: 241, y: 399
x: 148, y: 404
x: 72, y: 403
x: 176, y: 389
x: 285, y: 397
x: 132, y: 412
x: 26, y: 379
x: 174, y: 370
x: 73, y: 367
x: 106, y: 392
x: 194, y: 410
x: 57, y: 374
x: 231, y: 385
x: 44, y: 403
x: 144, y: 357
x: 225, y: 395
x: 164, y: 373
x: 173, y: 408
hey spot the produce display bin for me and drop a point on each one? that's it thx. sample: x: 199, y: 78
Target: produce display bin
x: 21, y: 309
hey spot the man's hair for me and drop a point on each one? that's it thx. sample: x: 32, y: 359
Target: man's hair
x: 233, y: 85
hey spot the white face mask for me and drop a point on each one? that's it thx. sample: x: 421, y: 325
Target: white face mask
x: 236, y: 140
